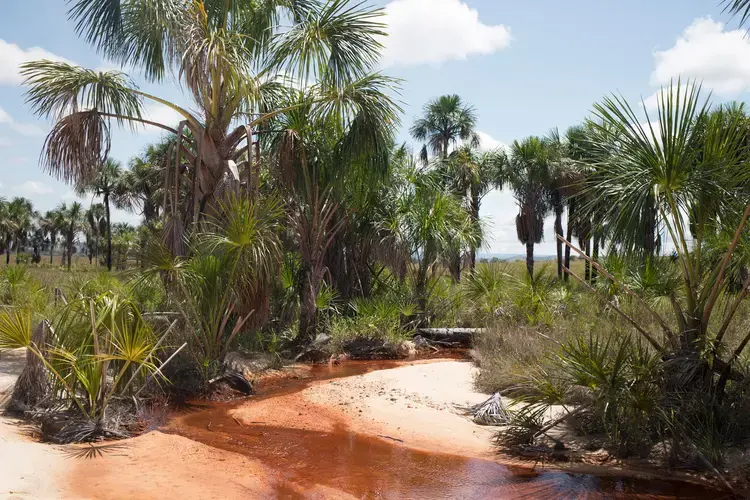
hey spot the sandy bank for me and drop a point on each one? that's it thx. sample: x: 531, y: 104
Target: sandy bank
x: 415, y: 405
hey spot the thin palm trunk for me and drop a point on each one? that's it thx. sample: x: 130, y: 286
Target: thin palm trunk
x: 475, y: 205
x: 559, y: 232
x: 587, y: 275
x: 109, y: 232
x: 595, y: 256
x: 530, y: 257
x: 571, y: 215
x: 52, y: 239
x: 8, y: 241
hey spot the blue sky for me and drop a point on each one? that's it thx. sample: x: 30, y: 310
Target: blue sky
x: 526, y: 66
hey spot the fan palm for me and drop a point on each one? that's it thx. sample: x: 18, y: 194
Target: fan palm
x: 692, y: 162
x: 529, y: 176
x: 445, y: 121
x: 96, y: 217
x: 229, y: 56
x: 21, y: 215
x: 471, y: 175
x: 52, y: 224
x: 428, y: 218
x: 739, y: 8
x: 109, y: 183
x: 72, y: 218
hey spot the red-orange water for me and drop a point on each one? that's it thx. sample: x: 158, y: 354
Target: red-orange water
x: 367, y: 467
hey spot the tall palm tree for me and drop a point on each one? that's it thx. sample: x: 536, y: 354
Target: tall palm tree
x: 234, y: 58
x: 52, y: 224
x: 445, y: 121
x: 72, y: 217
x: 109, y: 183
x: 429, y: 219
x: 96, y: 217
x: 21, y: 214
x: 528, y: 175
x: 324, y: 168
x: 472, y: 174
x: 6, y: 228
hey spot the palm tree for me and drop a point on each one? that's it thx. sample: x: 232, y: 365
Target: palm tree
x: 693, y: 164
x: 96, y: 217
x: 234, y: 58
x: 445, y: 121
x: 109, y: 183
x: 324, y: 169
x: 429, y: 219
x: 52, y: 224
x: 72, y: 219
x: 472, y: 174
x: 6, y: 228
x: 528, y: 175
x: 21, y: 214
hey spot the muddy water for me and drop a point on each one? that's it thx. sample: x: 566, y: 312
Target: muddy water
x: 367, y: 467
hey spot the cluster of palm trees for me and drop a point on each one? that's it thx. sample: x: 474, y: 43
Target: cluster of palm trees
x: 129, y: 189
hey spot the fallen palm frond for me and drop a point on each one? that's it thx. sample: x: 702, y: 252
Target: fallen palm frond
x: 491, y: 411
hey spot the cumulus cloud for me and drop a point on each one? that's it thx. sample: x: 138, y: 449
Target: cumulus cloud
x: 30, y: 188
x: 487, y: 143
x: 707, y: 52
x: 434, y: 31
x: 12, y: 56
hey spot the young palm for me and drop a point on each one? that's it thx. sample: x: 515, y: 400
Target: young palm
x: 529, y: 174
x: 109, y: 183
x: 229, y: 55
x: 692, y: 162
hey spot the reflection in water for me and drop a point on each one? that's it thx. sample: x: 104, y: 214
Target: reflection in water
x: 367, y: 467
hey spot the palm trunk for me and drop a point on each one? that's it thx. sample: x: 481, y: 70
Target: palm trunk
x: 51, y: 248
x: 595, y: 256
x: 588, y: 266
x: 8, y: 240
x: 559, y: 232
x: 530, y: 257
x: 70, y: 251
x: 308, y: 321
x: 475, y: 206
x: 109, y: 232
x: 571, y: 214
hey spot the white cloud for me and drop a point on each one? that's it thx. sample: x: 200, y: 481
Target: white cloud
x: 487, y: 143
x: 30, y: 188
x: 433, y: 31
x: 160, y: 113
x: 708, y: 53
x: 22, y: 128
x: 11, y: 56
